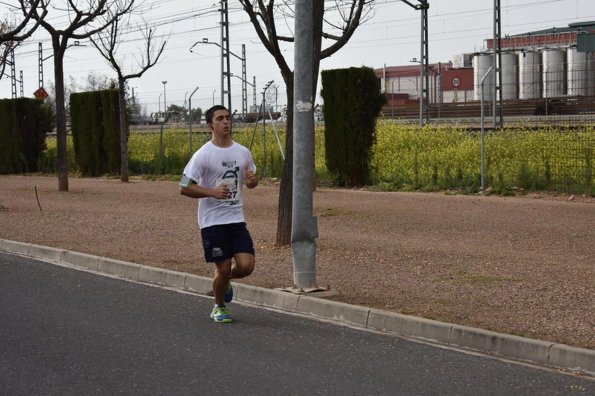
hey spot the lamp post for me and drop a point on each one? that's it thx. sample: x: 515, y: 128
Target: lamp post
x: 264, y: 138
x: 392, y: 92
x: 420, y: 90
x: 134, y: 97
x: 423, y: 6
x: 253, y: 85
x: 190, y: 122
x: 223, y: 74
x: 214, y: 96
x: 76, y: 43
x: 160, y: 101
x: 164, y: 101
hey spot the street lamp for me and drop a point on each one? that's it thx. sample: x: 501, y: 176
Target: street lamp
x: 423, y: 6
x: 190, y: 122
x: 76, y: 43
x: 164, y: 101
x: 392, y: 93
x: 224, y: 74
x: 264, y: 140
x: 244, y: 93
x: 420, y: 90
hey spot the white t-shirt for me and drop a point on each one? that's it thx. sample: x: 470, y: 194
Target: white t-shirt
x: 212, y: 166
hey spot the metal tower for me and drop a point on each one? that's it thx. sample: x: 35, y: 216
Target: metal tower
x: 425, y: 96
x: 22, y: 89
x: 40, y: 64
x: 13, y: 75
x: 497, y: 62
x: 225, y: 69
x: 244, y: 82
x: 424, y: 99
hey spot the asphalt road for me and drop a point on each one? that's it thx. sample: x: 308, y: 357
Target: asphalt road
x: 69, y: 332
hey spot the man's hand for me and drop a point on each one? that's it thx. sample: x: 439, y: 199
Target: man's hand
x: 250, y: 179
x: 221, y: 192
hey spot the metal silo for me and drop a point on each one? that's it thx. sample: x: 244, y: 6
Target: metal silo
x: 510, y: 76
x: 529, y: 75
x: 578, y: 73
x: 481, y: 64
x: 554, y: 75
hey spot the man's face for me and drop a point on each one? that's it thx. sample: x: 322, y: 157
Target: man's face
x: 220, y: 124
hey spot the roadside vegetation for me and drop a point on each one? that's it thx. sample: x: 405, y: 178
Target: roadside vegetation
x: 404, y: 157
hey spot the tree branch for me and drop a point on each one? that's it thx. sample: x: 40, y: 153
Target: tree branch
x: 107, y: 45
x: 263, y: 19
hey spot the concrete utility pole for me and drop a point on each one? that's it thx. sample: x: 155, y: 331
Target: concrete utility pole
x: 304, y: 229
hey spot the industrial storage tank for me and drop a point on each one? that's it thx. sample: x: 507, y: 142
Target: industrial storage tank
x: 510, y: 76
x: 578, y: 73
x: 481, y: 64
x: 529, y: 75
x: 554, y: 75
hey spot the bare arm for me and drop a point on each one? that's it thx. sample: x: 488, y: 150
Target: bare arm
x: 196, y: 191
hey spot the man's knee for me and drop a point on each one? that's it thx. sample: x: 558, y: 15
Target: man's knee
x: 244, y: 265
x: 224, y: 268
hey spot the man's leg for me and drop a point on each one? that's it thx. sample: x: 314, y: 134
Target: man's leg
x: 221, y: 280
x: 244, y: 265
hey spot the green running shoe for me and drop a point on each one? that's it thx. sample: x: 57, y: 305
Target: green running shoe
x: 220, y: 315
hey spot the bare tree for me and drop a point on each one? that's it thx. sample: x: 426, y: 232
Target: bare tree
x: 82, y: 24
x: 107, y: 44
x: 335, y: 24
x: 11, y: 36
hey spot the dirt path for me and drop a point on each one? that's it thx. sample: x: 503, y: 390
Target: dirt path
x: 522, y: 265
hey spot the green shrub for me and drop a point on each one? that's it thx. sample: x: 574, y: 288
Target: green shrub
x: 95, y: 131
x: 25, y: 123
x: 352, y: 102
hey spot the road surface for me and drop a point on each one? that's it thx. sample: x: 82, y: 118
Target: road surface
x: 69, y: 332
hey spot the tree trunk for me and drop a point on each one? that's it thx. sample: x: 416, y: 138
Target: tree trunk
x: 286, y: 189
x: 62, y: 150
x: 123, y: 132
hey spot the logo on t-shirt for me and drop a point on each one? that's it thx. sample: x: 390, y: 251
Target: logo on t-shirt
x: 230, y: 179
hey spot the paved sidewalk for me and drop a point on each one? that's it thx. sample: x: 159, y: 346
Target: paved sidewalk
x: 547, y: 354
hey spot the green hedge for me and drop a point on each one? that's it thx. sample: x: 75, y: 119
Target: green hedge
x: 25, y: 123
x: 96, y: 137
x: 352, y: 102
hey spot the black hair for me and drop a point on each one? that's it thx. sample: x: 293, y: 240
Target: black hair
x: 210, y: 112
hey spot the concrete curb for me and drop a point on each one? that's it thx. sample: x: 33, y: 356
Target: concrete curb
x: 542, y: 353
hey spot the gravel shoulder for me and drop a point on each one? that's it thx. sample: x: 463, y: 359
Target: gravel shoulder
x: 518, y: 265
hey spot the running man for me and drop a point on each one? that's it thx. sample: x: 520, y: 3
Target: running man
x: 215, y: 176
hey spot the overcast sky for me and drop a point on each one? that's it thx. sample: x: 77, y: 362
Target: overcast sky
x: 391, y: 36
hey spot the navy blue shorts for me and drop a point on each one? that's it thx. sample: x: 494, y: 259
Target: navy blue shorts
x: 222, y: 242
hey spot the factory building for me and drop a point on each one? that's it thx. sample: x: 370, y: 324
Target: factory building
x: 556, y: 63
